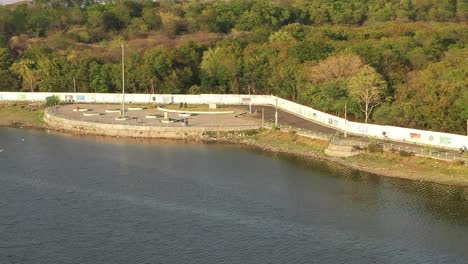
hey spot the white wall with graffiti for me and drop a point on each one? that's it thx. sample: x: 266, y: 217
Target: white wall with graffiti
x: 423, y: 137
x: 409, y: 135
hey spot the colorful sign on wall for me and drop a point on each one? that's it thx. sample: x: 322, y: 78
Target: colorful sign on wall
x: 415, y: 136
x: 445, y: 140
x: 81, y: 98
x: 21, y: 97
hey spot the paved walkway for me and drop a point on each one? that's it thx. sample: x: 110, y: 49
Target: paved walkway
x: 238, y: 119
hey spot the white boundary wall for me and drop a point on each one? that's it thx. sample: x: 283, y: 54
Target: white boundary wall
x: 409, y: 135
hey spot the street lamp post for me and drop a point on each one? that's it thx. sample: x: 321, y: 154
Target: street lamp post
x: 345, y: 119
x: 250, y: 102
x: 276, y: 112
x: 122, y: 114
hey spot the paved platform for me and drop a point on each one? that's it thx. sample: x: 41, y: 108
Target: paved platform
x: 240, y: 118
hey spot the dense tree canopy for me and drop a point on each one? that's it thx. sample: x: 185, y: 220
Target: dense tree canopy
x: 410, y: 55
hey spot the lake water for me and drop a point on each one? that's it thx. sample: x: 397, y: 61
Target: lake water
x: 67, y: 199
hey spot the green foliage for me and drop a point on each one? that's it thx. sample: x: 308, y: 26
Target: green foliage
x: 404, y: 153
x: 52, y: 101
x: 367, y: 87
x: 374, y: 147
x: 315, y: 52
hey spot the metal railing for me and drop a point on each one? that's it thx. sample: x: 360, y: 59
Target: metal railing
x: 417, y: 151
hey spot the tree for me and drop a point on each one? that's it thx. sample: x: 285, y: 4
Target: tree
x: 257, y: 69
x: 367, y: 87
x: 336, y: 67
x: 38, y: 23
x: 151, y: 18
x: 222, y: 65
x: 26, y: 69
x: 284, y: 77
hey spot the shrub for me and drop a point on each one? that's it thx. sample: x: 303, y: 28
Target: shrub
x: 52, y: 101
x: 181, y: 105
x: 405, y: 153
x: 250, y: 132
x: 428, y: 149
x: 374, y: 147
x: 357, y: 148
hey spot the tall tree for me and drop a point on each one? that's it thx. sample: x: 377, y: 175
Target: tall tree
x: 367, y: 87
x: 223, y: 66
x: 26, y: 69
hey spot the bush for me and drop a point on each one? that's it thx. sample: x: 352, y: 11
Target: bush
x: 52, y: 101
x: 405, y: 153
x: 251, y: 132
x: 357, y: 148
x: 374, y: 147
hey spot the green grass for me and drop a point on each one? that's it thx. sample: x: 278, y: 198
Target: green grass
x: 21, y: 114
x: 385, y: 163
x: 417, y: 168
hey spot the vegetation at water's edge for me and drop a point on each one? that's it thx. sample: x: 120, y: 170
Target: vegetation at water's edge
x: 21, y: 114
x: 411, y: 54
x: 381, y: 163
x: 385, y: 163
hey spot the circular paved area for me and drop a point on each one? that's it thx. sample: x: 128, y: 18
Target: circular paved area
x: 240, y: 118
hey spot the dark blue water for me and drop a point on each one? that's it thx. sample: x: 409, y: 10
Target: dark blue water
x: 66, y: 199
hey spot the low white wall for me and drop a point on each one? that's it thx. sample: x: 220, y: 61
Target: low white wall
x: 141, y: 98
x: 409, y: 135
x: 416, y: 136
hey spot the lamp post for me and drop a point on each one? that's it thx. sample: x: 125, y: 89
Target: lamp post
x: 122, y: 113
x: 250, y: 102
x: 345, y: 119
x: 74, y: 90
x: 276, y: 112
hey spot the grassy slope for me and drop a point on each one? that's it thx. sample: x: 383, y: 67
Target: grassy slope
x: 21, y: 114
x: 387, y: 164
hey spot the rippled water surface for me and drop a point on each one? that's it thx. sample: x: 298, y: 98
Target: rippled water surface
x: 66, y: 199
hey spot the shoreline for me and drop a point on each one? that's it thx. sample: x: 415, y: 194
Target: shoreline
x: 286, y: 143
x: 233, y: 138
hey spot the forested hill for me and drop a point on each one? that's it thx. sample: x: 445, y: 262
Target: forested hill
x: 410, y: 54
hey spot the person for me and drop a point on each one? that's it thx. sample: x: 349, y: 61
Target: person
x: 463, y: 149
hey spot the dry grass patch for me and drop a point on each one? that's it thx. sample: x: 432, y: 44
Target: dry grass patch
x: 417, y: 168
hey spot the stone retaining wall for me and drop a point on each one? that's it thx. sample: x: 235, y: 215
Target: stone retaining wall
x: 133, y: 131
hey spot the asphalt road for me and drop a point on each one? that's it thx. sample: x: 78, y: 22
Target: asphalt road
x: 285, y: 118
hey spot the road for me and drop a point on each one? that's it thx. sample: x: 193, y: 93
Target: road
x: 285, y: 118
